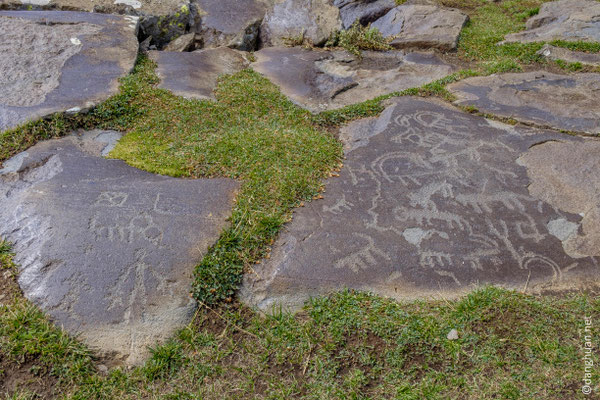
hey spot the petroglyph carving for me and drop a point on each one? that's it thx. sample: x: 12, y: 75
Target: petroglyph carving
x: 364, y: 258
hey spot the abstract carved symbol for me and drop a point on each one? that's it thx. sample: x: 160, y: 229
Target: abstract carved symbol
x: 111, y: 199
x: 364, y: 258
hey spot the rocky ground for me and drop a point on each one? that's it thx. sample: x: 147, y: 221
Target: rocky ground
x: 299, y: 199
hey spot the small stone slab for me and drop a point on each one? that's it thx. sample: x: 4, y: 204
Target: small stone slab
x: 568, y: 102
x: 363, y: 11
x: 422, y: 26
x: 233, y: 23
x: 560, y: 53
x: 106, y: 250
x: 55, y: 61
x: 324, y: 80
x: 195, y: 75
x: 569, y: 20
x: 296, y: 20
x: 433, y: 201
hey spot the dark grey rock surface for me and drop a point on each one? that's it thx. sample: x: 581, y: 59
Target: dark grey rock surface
x: 324, y: 80
x: 55, y: 61
x: 569, y: 20
x: 104, y: 249
x: 432, y: 201
x: 422, y: 26
x: 195, y: 74
x: 363, y: 11
x: 233, y: 23
x: 568, y: 102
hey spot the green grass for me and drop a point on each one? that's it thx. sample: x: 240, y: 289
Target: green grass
x: 358, y: 38
x: 347, y: 346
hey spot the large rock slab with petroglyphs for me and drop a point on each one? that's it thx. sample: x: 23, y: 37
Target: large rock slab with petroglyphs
x: 432, y: 201
x: 106, y: 250
x: 569, y: 20
x: 567, y: 102
x: 56, y: 61
x: 321, y: 80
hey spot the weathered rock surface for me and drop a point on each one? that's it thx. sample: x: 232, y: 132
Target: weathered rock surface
x: 182, y: 43
x: 434, y: 202
x: 56, y: 61
x: 137, y: 7
x: 570, y: 20
x: 195, y: 74
x: 106, y: 250
x: 323, y: 80
x: 293, y: 20
x: 568, y: 102
x: 560, y: 53
x: 363, y: 11
x: 232, y: 23
x: 162, y: 20
x: 422, y: 26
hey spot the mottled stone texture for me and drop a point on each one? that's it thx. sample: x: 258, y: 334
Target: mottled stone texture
x: 568, y: 102
x: 106, y: 250
x: 55, y: 61
x: 195, y: 74
x: 324, y: 80
x: 433, y: 202
x: 570, y: 20
x: 363, y: 11
x: 294, y: 20
x: 233, y: 23
x: 422, y: 26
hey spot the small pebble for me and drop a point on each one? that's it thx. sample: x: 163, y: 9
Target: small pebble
x: 452, y: 335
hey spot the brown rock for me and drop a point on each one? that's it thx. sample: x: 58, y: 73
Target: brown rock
x: 194, y: 75
x: 323, y: 80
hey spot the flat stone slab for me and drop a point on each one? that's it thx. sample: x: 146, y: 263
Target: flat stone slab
x: 433, y: 201
x: 568, y: 102
x: 569, y: 20
x: 325, y: 80
x: 54, y: 61
x: 560, y: 53
x: 195, y: 74
x: 107, y: 250
x: 422, y: 26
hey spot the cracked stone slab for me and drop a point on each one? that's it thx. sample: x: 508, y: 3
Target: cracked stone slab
x: 195, y: 75
x: 323, y: 80
x: 568, y: 102
x: 433, y: 201
x: 422, y: 26
x: 559, y: 53
x: 569, y: 20
x: 54, y: 61
x: 107, y: 250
